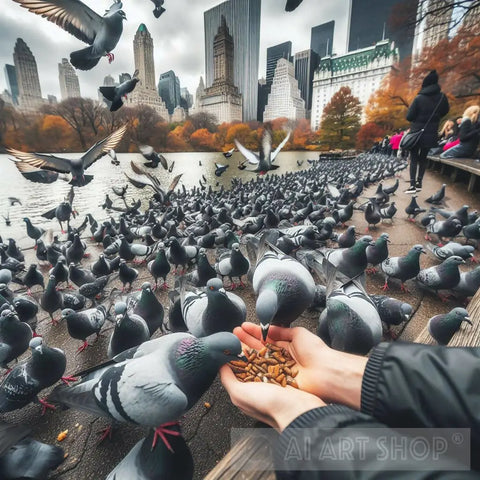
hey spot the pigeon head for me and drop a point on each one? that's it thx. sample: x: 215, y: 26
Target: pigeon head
x: 36, y: 344
x: 120, y: 308
x: 385, y: 236
x: 236, y: 247
x: 454, y: 260
x: 418, y: 249
x: 222, y: 347
x: 147, y: 286
x: 407, y: 310
x: 460, y: 315
x: 66, y: 312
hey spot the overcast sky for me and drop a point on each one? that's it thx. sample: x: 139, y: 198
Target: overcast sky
x: 178, y: 38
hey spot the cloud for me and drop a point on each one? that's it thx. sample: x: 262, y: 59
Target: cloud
x: 178, y: 38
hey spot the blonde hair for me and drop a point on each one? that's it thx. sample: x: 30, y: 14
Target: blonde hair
x: 471, y: 113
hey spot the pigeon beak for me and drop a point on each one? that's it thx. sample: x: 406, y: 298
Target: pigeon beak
x: 222, y: 290
x: 424, y: 251
x: 389, y: 241
x: 265, y: 328
x: 467, y: 319
x: 242, y: 357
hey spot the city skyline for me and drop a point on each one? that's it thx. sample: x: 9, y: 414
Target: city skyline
x: 179, y: 46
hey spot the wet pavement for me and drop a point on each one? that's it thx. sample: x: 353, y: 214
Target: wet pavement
x: 207, y: 430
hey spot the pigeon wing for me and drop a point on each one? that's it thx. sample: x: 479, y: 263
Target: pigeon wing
x: 103, y: 147
x: 11, y: 434
x: 279, y: 148
x: 43, y: 161
x: 71, y: 15
x: 250, y: 156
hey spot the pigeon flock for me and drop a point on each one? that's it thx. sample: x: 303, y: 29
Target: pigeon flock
x: 155, y: 281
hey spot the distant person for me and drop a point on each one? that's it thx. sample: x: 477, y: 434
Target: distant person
x: 395, y: 142
x: 426, y: 110
x: 469, y: 135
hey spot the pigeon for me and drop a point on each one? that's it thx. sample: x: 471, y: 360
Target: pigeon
x: 442, y: 327
x: 33, y: 231
x: 413, y: 209
x: 450, y: 228
x: 101, y: 33
x: 372, y: 214
x: 148, y: 307
x: 82, y: 324
x: 229, y: 153
x: 291, y: 5
x: 437, y: 197
x: 141, y: 463
x: 127, y: 274
x: 461, y: 214
x: 233, y: 265
x: 264, y: 159
x: 377, y: 253
x: 155, y: 383
x: 51, y: 300
x: 116, y: 93
x: 219, y: 169
x: 27, y: 379
x: 284, y: 288
x: 403, y: 268
x: 472, y: 231
x: 180, y: 255
x: 80, y: 276
x: 75, y: 252
x: 453, y: 248
x: 101, y: 267
x: 32, y: 278
x: 159, y: 268
x: 64, y: 165
x: 26, y: 310
x: 469, y: 283
x: 94, y: 289
x: 14, y: 337
x: 391, y: 310
x: 114, y: 160
x: 211, y: 311
x: 28, y: 458
x: 387, y: 213
x: 350, y: 322
x: 153, y: 157
x: 13, y: 250
x: 204, y: 271
x: 392, y: 189
x: 9, y: 263
x: 347, y: 238
x: 441, y: 277
x: 130, y: 331
x: 158, y: 10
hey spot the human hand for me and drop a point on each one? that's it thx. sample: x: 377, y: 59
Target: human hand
x: 333, y: 376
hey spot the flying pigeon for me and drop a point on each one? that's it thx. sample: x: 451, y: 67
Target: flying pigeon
x: 442, y: 327
x: 101, y: 33
x: 229, y: 153
x: 219, y: 169
x: 74, y: 166
x: 116, y: 93
x: 291, y: 5
x: 158, y: 10
x: 265, y: 157
x: 155, y: 383
x: 153, y: 157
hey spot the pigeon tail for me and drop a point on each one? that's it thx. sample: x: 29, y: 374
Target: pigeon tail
x: 82, y: 59
x: 158, y: 11
x: 116, y: 105
x: 108, y: 92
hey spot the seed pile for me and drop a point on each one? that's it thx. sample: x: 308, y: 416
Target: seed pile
x: 271, y: 364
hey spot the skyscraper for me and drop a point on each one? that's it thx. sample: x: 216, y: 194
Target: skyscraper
x: 169, y: 90
x: 30, y: 94
x: 243, y: 20
x: 222, y: 98
x: 284, y: 99
x: 305, y: 63
x: 321, y: 39
x: 274, y: 54
x: 187, y: 97
x: 12, y: 83
x: 375, y: 20
x: 69, y: 85
x: 145, y: 92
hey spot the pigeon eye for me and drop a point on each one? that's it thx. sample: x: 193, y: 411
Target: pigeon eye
x: 226, y: 352
x: 211, y: 288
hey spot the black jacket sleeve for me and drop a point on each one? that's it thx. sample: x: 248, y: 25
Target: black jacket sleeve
x: 335, y: 442
x: 467, y: 131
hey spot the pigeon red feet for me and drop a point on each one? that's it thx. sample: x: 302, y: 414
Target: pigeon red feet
x: 82, y: 347
x: 443, y: 298
x: 46, y: 406
x: 111, y: 57
x: 54, y: 322
x: 371, y: 271
x: 233, y: 286
x: 66, y: 380
x: 29, y: 292
x: 385, y: 287
x: 106, y: 432
x: 86, y: 255
x: 35, y: 335
x: 403, y: 288
x: 161, y: 431
x: 473, y: 260
x: 165, y: 286
x: 427, y: 237
x: 410, y: 219
x: 242, y: 284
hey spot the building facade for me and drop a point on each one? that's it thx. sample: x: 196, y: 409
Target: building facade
x: 371, y: 21
x: 145, y: 92
x: 321, y: 39
x: 12, y: 83
x: 29, y: 91
x: 274, y: 54
x: 69, y: 84
x: 169, y: 90
x: 243, y: 20
x: 187, y: 97
x: 362, y: 71
x: 222, y: 99
x: 284, y: 99
x: 305, y: 63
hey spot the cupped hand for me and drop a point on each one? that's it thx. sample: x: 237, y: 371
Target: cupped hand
x: 331, y: 375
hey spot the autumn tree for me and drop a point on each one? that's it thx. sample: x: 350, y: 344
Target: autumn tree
x: 202, y: 140
x: 341, y: 120
x: 368, y: 135
x: 302, y: 134
x: 204, y: 120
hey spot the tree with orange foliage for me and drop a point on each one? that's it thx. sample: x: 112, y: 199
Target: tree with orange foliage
x: 239, y: 131
x: 56, y: 134
x: 368, y: 135
x: 176, y: 142
x: 302, y: 134
x: 202, y: 140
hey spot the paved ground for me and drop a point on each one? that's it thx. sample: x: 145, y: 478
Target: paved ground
x: 208, y: 430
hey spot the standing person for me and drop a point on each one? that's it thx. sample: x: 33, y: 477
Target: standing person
x: 430, y: 103
x: 395, y: 142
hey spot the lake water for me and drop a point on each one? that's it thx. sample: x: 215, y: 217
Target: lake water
x: 38, y: 198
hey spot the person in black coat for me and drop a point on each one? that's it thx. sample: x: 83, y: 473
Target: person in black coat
x: 347, y: 411
x: 469, y: 135
x: 419, y: 112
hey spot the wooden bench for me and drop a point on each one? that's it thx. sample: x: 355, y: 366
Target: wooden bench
x: 456, y: 165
